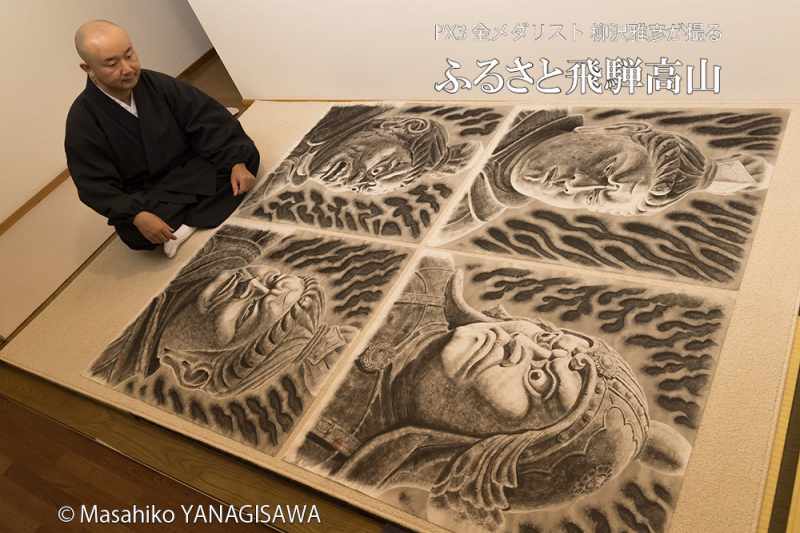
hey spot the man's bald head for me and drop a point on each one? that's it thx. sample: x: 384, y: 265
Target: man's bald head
x: 93, y: 34
x: 108, y: 55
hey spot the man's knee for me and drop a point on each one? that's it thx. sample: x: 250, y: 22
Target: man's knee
x: 253, y: 161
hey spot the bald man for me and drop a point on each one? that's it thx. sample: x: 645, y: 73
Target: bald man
x: 154, y: 155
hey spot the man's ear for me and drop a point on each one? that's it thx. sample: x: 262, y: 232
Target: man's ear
x: 86, y: 68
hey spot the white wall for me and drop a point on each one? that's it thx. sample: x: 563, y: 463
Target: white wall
x: 41, y: 75
x: 384, y: 49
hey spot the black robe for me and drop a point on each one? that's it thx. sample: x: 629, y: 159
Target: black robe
x: 174, y: 160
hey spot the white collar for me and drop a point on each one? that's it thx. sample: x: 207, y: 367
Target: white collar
x: 130, y: 108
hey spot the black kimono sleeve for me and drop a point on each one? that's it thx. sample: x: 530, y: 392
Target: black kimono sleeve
x: 94, y: 173
x: 213, y: 132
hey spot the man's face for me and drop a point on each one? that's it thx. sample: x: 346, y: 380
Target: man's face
x: 501, y: 376
x: 601, y: 172
x: 112, y: 59
x: 372, y: 162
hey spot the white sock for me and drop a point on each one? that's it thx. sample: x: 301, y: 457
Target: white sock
x: 181, y: 234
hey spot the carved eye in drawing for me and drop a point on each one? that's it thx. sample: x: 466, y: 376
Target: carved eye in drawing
x: 385, y: 166
x: 539, y: 380
x: 380, y: 169
x: 228, y: 286
x: 610, y: 168
x: 249, y: 310
x: 242, y: 288
x: 272, y: 279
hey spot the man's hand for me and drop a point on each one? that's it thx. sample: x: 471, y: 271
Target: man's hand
x: 242, y: 180
x: 153, y: 228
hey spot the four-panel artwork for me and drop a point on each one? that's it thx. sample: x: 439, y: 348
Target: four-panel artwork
x: 491, y: 318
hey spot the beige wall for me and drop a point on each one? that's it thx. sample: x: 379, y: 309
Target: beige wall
x: 40, y: 79
x: 41, y: 75
x: 384, y: 49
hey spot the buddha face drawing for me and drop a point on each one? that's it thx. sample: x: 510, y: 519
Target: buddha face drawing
x: 602, y: 172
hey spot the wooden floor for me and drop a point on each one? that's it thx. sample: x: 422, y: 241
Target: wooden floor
x: 165, y: 453
x: 44, y: 466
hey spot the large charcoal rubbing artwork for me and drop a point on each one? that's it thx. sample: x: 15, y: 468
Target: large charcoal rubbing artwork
x: 500, y: 398
x: 376, y: 169
x: 674, y: 194
x: 245, y: 335
x: 502, y: 389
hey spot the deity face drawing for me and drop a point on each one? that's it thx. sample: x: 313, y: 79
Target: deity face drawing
x: 501, y: 376
x: 384, y: 155
x: 242, y: 321
x: 602, y: 172
x: 489, y: 412
x: 375, y: 161
x: 243, y: 302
